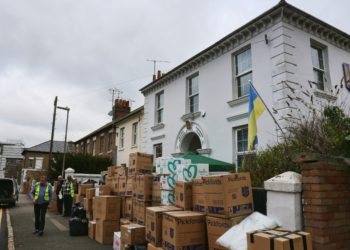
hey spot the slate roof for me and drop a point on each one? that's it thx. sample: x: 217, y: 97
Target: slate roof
x: 58, y: 147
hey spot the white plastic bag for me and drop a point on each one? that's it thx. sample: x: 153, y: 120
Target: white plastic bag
x: 236, y: 237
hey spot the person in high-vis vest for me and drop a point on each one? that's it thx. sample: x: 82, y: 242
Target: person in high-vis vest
x: 68, y: 196
x: 41, y: 195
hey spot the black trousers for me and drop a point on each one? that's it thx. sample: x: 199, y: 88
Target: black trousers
x: 40, y: 212
x: 68, y: 203
x: 59, y: 205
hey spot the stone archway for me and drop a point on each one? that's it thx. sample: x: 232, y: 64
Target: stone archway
x: 190, y: 143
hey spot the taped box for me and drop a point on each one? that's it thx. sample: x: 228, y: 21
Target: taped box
x: 183, y: 230
x: 105, y: 231
x: 154, y: 218
x: 198, y: 196
x: 83, y: 187
x: 216, y: 227
x: 228, y: 195
x: 279, y: 239
x: 144, y: 185
x: 183, y: 195
x: 133, y: 234
x: 140, y: 163
x: 107, y: 207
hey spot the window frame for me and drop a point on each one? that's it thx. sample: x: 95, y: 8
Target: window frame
x: 192, y: 95
x: 325, y: 71
x: 158, y: 108
x: 102, y: 143
x: 94, y: 147
x: 121, y: 137
x: 155, y: 146
x: 110, y: 141
x: 236, y: 153
x: 134, y: 133
x: 235, y: 74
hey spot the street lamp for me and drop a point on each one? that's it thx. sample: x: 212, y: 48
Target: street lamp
x: 65, y: 139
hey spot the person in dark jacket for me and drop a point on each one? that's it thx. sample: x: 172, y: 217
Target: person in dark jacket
x: 59, y: 194
x: 41, y: 195
x: 68, y: 196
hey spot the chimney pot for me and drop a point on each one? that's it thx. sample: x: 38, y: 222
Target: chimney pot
x: 159, y: 74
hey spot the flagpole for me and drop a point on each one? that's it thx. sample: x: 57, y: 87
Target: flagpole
x: 268, y: 110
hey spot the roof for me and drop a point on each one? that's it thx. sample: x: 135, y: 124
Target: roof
x: 214, y: 165
x: 57, y: 147
x: 110, y: 124
x: 282, y: 7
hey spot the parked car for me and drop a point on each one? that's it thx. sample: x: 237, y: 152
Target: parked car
x: 8, y: 191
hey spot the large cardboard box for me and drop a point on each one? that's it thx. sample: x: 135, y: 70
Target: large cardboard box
x: 198, y: 196
x: 228, y: 195
x: 130, y: 186
x: 117, y: 241
x: 169, y: 165
x: 107, y: 207
x: 140, y: 163
x: 111, y: 170
x: 278, y: 239
x: 154, y: 218
x: 88, y: 204
x: 122, y: 185
x: 105, y: 231
x: 167, y: 197
x: 83, y: 187
x: 183, y: 230
x: 183, y: 195
x: 104, y: 190
x: 168, y: 182
x: 216, y: 227
x: 121, y: 171
x: 109, y: 181
x: 92, y: 229
x: 128, y: 208
x: 133, y: 234
x: 156, y: 193
x: 144, y: 185
x: 189, y: 172
x: 151, y: 247
x: 140, y: 211
x: 90, y: 193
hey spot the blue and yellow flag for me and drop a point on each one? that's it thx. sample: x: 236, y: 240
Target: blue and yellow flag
x: 256, y: 108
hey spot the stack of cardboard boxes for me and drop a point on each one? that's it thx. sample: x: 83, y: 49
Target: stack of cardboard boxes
x: 90, y: 194
x: 79, y: 197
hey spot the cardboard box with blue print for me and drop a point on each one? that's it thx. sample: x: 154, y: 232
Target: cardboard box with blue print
x: 130, y: 185
x: 156, y: 192
x: 189, y: 172
x: 139, y: 211
x: 154, y: 218
x: 198, y: 196
x: 133, y: 234
x: 122, y: 185
x: 183, y: 230
x: 228, y: 195
x: 140, y: 163
x: 183, y: 195
x: 143, y: 185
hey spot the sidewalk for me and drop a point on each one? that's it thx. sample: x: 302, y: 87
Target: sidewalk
x: 56, y: 235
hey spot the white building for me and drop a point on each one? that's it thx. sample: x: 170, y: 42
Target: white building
x: 202, y: 104
x: 10, y: 155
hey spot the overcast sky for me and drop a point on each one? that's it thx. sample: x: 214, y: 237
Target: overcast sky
x: 78, y: 49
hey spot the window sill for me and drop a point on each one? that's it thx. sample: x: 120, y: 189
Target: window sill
x: 134, y: 146
x: 325, y: 95
x: 191, y: 116
x: 121, y: 149
x: 158, y: 126
x: 238, y: 101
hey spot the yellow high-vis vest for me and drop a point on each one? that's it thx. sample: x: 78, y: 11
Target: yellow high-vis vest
x: 37, y: 191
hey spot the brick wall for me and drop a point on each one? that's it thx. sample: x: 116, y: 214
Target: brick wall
x: 326, y: 201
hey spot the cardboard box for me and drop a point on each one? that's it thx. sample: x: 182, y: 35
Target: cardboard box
x: 151, y: 247
x: 88, y: 204
x: 83, y: 187
x: 228, y: 195
x: 189, y: 172
x: 105, y: 231
x: 117, y: 241
x: 90, y: 193
x: 167, y: 197
x: 140, y: 163
x: 198, y: 196
x: 104, y: 190
x: 156, y: 193
x: 144, y: 185
x: 107, y: 207
x: 122, y: 185
x: 183, y: 195
x: 122, y: 206
x: 78, y: 199
x: 216, y: 227
x: 133, y: 234
x: 128, y: 208
x: 90, y: 215
x: 168, y: 182
x: 124, y: 221
x: 121, y: 171
x: 263, y: 240
x: 139, y: 211
x: 92, y: 229
x: 109, y: 181
x: 183, y: 230
x: 154, y: 218
x: 130, y: 186
x: 169, y: 165
x: 111, y: 170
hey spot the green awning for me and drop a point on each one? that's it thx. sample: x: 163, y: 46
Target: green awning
x: 214, y: 165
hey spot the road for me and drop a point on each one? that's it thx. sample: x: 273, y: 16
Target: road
x: 56, y: 235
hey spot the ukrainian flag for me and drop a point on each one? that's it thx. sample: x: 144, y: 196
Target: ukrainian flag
x: 256, y: 108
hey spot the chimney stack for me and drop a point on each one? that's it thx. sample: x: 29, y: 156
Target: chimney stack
x: 159, y: 74
x: 121, y: 108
